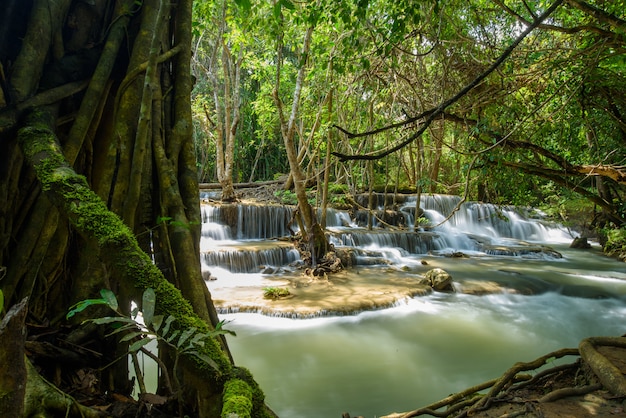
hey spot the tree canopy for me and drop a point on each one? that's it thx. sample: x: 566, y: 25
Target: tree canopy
x: 518, y: 101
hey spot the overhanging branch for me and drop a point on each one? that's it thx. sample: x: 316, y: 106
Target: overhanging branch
x: 443, y: 106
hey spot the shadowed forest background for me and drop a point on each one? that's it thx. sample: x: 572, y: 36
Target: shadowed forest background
x: 113, y: 112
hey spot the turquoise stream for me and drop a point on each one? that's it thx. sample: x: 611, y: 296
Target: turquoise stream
x: 428, y: 347
x: 411, y: 355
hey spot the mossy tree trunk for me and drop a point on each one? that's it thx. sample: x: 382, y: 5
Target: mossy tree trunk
x: 98, y: 94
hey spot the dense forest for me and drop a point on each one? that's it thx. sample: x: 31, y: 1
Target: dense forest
x: 112, y: 112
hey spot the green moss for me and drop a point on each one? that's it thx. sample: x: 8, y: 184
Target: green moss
x: 258, y: 397
x: 237, y: 399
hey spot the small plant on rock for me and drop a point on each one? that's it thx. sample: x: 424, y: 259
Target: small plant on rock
x: 275, y: 292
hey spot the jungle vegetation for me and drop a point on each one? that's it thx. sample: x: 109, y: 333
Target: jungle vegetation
x: 111, y: 112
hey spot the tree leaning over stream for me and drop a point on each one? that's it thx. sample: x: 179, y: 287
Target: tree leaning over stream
x: 99, y: 191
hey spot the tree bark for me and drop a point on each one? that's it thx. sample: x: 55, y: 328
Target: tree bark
x: 120, y: 251
x: 13, y: 373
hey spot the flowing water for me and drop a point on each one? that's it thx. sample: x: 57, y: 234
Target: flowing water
x: 428, y: 347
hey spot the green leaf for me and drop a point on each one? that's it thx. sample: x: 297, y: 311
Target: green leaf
x: 208, y: 360
x: 184, y: 336
x: 1, y: 301
x: 157, y: 321
x: 172, y: 337
x: 163, y: 219
x: 287, y: 4
x: 134, y: 347
x: 219, y: 329
x: 112, y: 319
x: 122, y: 328
x: 82, y: 305
x: 131, y: 336
x: 198, y: 339
x: 246, y: 5
x: 166, y: 328
x: 110, y: 298
x: 148, y: 303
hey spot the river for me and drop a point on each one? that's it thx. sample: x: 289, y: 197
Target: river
x: 427, y: 347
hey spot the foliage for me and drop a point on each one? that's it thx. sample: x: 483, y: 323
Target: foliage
x: 143, y: 326
x: 553, y: 104
x: 286, y: 197
x: 615, y: 244
x: 275, y: 292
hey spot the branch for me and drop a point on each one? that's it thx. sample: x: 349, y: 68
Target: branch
x: 598, y: 13
x: 443, y: 106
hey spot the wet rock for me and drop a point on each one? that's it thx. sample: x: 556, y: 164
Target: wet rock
x: 206, y: 275
x: 439, y: 279
x: 580, y: 242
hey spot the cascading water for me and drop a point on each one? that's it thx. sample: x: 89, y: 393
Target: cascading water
x: 423, y: 348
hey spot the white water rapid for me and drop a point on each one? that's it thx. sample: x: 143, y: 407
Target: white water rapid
x: 425, y: 348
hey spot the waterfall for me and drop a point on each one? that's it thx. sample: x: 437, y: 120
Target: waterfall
x: 247, y: 238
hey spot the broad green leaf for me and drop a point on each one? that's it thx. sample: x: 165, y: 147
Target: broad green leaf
x: 198, y: 339
x: 184, y: 336
x: 134, y: 347
x: 246, y: 5
x: 172, y: 336
x: 131, y: 335
x: 110, y: 298
x: 168, y: 322
x: 121, y: 329
x: 208, y: 360
x: 82, y: 305
x: 112, y: 319
x: 287, y: 4
x: 148, y: 303
x: 157, y: 321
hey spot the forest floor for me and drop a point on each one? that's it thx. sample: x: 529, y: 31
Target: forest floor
x: 519, y: 400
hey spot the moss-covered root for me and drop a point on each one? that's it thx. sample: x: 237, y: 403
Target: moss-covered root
x: 242, y: 397
x: 609, y: 375
x: 237, y: 399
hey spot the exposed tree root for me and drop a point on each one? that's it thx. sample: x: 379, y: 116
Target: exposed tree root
x: 609, y: 375
x: 470, y: 401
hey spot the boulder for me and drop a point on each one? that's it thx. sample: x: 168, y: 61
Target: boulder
x: 580, y: 242
x: 440, y: 280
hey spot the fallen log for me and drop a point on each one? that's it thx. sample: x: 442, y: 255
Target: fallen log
x: 217, y: 186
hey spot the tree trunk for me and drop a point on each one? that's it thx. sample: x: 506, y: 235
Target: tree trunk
x: 107, y: 196
x: 314, y: 234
